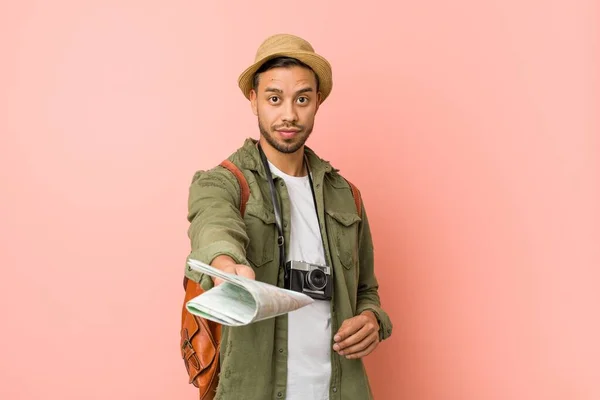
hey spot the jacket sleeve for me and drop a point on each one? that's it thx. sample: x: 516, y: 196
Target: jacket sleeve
x: 368, y: 296
x: 216, y: 225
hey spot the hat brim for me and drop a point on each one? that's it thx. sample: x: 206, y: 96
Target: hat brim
x: 317, y: 63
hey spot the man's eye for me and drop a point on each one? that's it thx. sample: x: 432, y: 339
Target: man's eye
x: 302, y: 100
x: 273, y: 99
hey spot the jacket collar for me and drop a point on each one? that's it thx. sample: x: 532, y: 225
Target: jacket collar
x: 249, y: 158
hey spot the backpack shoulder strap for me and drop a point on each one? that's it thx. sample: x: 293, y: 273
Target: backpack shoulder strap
x: 244, y: 187
x: 357, y: 198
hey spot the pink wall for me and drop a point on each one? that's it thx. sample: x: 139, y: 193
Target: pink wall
x: 471, y: 127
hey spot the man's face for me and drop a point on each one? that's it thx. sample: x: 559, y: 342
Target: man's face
x: 285, y: 102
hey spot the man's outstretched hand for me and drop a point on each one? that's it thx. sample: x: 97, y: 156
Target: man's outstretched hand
x: 358, y: 336
x: 228, y: 265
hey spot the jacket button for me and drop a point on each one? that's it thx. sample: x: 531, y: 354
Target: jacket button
x: 281, y: 350
x: 334, y: 389
x: 279, y: 394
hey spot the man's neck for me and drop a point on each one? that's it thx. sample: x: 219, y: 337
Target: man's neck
x: 288, y: 163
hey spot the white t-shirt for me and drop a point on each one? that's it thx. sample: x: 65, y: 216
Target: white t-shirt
x: 309, y: 328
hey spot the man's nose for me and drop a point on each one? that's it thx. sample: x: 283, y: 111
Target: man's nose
x: 289, y: 113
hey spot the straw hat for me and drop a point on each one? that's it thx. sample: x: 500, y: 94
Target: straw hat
x: 284, y: 45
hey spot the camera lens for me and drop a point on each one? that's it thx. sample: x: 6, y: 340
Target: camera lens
x: 316, y: 279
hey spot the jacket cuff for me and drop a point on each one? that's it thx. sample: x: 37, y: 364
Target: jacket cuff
x: 385, y: 324
x: 207, y: 254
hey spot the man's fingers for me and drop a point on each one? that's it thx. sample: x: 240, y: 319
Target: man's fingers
x: 235, y: 269
x: 365, y: 352
x: 361, y: 346
x: 357, y: 337
x: 349, y: 327
x: 245, y: 271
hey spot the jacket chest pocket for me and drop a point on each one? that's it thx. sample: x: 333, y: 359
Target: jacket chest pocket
x: 260, y: 226
x: 343, y: 231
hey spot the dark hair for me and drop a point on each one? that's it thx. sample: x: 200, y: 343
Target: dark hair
x: 281, y: 62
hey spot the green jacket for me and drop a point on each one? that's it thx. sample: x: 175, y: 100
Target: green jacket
x: 254, y: 357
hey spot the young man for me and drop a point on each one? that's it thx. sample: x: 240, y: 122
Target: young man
x: 315, y: 352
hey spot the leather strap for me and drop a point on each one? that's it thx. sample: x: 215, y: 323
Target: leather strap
x: 244, y: 187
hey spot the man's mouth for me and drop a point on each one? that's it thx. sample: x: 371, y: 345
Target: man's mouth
x: 287, y: 132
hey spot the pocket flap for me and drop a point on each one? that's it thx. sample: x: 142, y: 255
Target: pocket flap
x: 344, y: 218
x: 260, y: 212
x: 260, y: 225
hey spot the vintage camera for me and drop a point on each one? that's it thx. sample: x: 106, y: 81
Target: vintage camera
x: 311, y: 279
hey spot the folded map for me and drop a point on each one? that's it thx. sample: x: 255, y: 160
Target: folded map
x: 240, y: 301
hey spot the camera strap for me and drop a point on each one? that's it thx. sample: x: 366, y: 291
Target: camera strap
x: 277, y: 208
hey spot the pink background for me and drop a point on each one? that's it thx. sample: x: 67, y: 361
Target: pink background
x: 471, y: 127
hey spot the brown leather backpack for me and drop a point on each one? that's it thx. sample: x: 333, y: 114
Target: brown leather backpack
x: 201, y: 338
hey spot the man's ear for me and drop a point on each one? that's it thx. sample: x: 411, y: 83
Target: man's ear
x: 318, y: 101
x: 253, y: 103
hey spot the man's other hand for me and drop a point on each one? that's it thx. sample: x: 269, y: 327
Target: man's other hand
x: 228, y: 265
x: 358, y: 336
